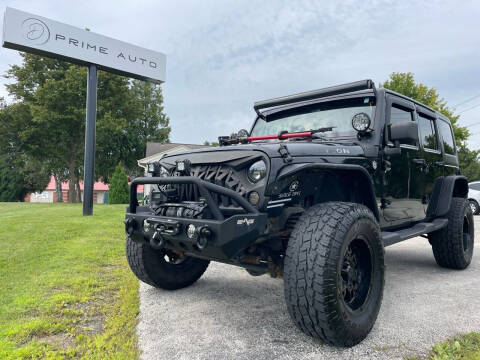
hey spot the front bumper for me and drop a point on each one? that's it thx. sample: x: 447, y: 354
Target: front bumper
x: 219, y: 238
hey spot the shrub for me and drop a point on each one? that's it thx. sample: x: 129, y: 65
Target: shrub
x: 118, y: 190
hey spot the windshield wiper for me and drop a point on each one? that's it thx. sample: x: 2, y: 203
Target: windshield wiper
x: 314, y: 134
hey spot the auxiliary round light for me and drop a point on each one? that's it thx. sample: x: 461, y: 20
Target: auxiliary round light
x: 257, y: 171
x: 361, y: 122
x: 191, y: 231
x: 253, y: 198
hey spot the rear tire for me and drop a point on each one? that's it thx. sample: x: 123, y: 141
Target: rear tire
x: 453, y: 245
x: 334, y: 272
x: 162, y: 268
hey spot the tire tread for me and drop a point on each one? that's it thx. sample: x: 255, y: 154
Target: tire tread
x: 310, y: 274
x: 447, y: 243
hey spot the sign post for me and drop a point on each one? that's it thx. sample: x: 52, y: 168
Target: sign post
x: 38, y: 35
x: 90, y: 130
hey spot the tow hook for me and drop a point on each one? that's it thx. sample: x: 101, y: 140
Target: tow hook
x: 157, y: 241
x: 204, y: 234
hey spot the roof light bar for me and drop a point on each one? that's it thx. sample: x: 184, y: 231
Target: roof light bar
x: 315, y: 94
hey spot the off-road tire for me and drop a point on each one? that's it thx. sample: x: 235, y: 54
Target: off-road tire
x: 313, y: 272
x: 453, y: 245
x: 474, y: 206
x: 149, y: 265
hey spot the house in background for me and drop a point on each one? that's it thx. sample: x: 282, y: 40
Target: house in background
x: 49, y: 195
x: 155, y: 151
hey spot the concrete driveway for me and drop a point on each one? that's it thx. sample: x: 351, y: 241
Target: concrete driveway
x: 228, y: 314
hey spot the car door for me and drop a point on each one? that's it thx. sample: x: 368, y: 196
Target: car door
x: 449, y: 149
x: 430, y: 146
x: 404, y: 177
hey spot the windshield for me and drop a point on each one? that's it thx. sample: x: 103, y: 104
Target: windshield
x: 337, y: 114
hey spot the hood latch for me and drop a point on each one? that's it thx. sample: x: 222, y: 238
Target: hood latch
x: 284, y: 153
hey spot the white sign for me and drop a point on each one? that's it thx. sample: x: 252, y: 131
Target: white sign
x: 36, y: 34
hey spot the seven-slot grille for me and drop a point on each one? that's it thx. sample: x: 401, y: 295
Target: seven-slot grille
x: 216, y: 174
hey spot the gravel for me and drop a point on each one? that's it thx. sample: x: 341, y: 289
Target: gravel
x: 229, y: 314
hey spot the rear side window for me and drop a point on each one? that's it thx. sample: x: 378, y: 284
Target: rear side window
x: 447, y: 137
x: 428, y: 137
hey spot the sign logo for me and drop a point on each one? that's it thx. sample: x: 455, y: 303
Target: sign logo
x: 294, y: 186
x: 245, y: 221
x: 35, y: 31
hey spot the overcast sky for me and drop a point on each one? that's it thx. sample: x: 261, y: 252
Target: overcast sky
x: 223, y: 55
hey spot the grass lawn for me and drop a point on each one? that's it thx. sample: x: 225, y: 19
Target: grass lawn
x: 66, y: 289
x: 462, y: 347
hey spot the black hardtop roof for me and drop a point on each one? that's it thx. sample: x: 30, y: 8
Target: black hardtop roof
x: 439, y: 114
x: 354, y: 88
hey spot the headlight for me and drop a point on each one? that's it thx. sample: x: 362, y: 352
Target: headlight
x: 257, y: 171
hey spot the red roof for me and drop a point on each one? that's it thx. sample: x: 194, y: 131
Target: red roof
x: 98, y: 186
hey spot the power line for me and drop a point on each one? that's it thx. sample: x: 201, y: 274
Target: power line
x: 466, y: 101
x: 470, y: 108
x: 472, y: 125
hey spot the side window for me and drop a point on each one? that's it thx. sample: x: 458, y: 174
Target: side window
x: 447, y: 137
x: 428, y: 138
x: 398, y: 115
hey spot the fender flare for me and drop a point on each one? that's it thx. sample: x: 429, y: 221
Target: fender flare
x: 361, y: 172
x: 444, y: 189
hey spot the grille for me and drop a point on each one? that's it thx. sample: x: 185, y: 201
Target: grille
x: 216, y: 174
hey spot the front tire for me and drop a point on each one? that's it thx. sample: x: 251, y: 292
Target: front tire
x: 163, y: 268
x: 334, y: 272
x: 453, y: 245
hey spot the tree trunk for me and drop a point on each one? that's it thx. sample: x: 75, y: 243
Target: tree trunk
x: 79, y: 192
x: 58, y: 188
x: 71, y: 182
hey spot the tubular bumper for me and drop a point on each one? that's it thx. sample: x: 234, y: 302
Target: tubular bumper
x: 226, y: 237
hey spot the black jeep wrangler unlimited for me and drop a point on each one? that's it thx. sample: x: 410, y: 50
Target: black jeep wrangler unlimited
x: 313, y: 193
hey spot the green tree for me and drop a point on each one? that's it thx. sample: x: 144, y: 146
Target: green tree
x: 208, y: 143
x: 18, y: 178
x: 118, y: 189
x: 50, y: 95
x: 404, y: 83
x: 11, y: 181
x: 469, y: 162
x: 153, y: 124
x: 19, y: 173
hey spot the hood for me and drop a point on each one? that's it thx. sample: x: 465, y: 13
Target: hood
x: 296, y: 149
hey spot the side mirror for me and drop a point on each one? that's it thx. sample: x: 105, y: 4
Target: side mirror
x: 404, y: 132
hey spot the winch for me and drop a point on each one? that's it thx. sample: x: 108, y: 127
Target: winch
x: 184, y: 209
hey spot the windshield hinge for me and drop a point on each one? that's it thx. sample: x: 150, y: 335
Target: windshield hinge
x: 284, y: 153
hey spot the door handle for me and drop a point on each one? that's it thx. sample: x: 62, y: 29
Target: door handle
x: 421, y: 162
x: 438, y: 163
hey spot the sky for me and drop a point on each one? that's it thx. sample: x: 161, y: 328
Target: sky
x: 224, y: 55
